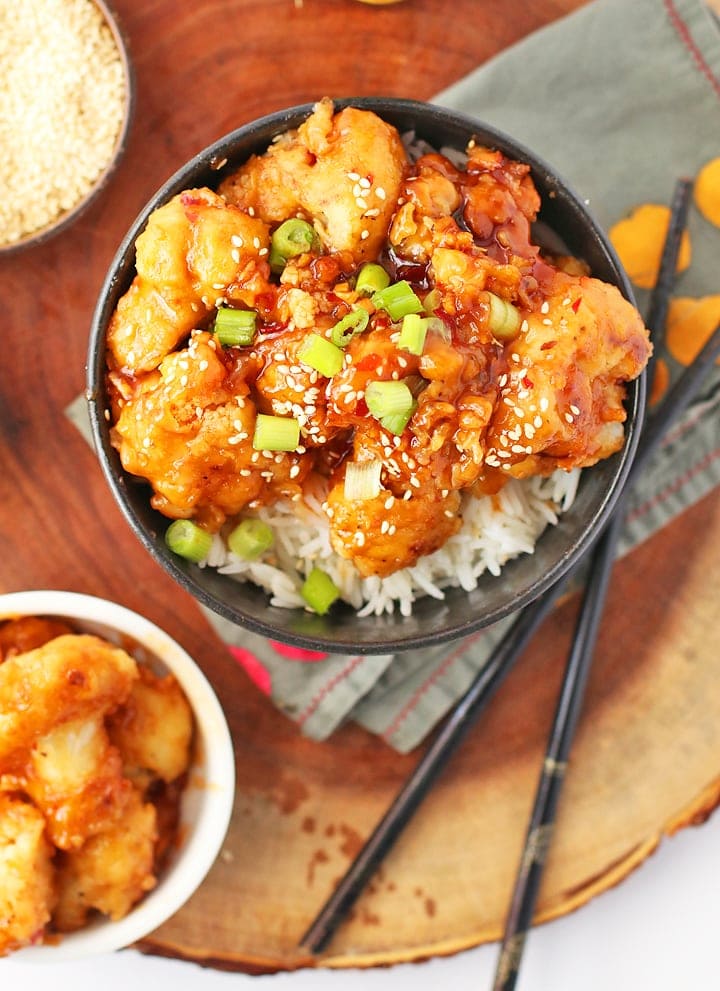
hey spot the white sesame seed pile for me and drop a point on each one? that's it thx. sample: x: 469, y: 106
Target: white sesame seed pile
x: 61, y: 109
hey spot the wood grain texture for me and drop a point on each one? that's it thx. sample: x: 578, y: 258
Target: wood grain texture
x: 302, y: 808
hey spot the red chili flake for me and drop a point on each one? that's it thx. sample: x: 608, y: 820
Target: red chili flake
x: 369, y: 363
x: 547, y: 345
x: 576, y: 305
x: 527, y: 383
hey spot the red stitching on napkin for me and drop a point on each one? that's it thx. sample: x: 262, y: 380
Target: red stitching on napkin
x: 426, y: 685
x: 687, y: 39
x: 327, y: 688
x: 675, y: 486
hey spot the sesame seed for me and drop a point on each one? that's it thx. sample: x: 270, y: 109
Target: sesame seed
x: 544, y: 403
x: 537, y: 422
x: 294, y: 471
x: 262, y: 252
x: 574, y: 409
x: 235, y: 255
x: 570, y: 418
x: 545, y: 308
x: 256, y: 242
x: 392, y: 529
x: 364, y: 235
x: 364, y: 182
x: 390, y: 502
x: 353, y: 176
x: 384, y: 526
x: 380, y: 193
x: 203, y: 365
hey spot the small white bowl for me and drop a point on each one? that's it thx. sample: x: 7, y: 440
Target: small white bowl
x: 207, y: 801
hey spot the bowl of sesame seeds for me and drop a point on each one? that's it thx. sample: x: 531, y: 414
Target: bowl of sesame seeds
x: 66, y: 111
x: 130, y: 428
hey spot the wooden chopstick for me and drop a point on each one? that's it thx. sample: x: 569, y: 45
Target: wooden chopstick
x: 572, y: 690
x: 452, y: 733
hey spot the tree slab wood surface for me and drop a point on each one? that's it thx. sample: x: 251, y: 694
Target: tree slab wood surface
x: 646, y: 760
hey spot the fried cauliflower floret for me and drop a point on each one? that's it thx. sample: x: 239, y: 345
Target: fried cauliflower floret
x: 154, y: 728
x: 342, y: 172
x: 188, y: 430
x: 384, y: 534
x: 27, y: 632
x: 67, y: 678
x: 27, y: 891
x: 111, y: 871
x: 194, y: 250
x: 75, y: 778
x: 501, y: 200
x: 562, y: 403
x: 430, y: 194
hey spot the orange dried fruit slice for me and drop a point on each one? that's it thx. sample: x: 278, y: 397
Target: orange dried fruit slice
x: 638, y: 240
x: 707, y: 191
x: 690, y: 324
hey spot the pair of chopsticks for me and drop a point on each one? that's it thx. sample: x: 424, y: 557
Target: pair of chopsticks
x: 488, y: 680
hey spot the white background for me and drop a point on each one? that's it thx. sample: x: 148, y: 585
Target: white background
x: 657, y: 931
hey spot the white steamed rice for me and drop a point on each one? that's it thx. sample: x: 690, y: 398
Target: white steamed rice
x: 494, y: 530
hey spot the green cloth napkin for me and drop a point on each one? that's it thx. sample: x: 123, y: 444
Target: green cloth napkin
x: 622, y: 99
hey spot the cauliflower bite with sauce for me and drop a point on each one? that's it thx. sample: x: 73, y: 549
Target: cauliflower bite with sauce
x: 339, y: 310
x: 93, y: 753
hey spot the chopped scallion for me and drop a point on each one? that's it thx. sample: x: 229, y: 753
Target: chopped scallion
x: 362, y: 479
x: 235, y: 327
x: 432, y: 301
x: 321, y: 354
x: 292, y: 238
x: 503, y: 319
x: 187, y: 539
x: 397, y: 300
x: 387, y: 398
x: 276, y: 433
x: 371, y: 278
x: 395, y: 423
x: 319, y: 591
x: 412, y: 333
x: 250, y: 539
x: 351, y: 324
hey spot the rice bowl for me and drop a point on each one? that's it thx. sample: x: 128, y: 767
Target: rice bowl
x: 460, y: 580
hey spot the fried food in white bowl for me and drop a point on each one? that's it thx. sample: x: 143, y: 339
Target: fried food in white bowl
x: 116, y: 776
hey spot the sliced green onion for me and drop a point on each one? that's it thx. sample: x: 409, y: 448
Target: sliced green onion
x: 321, y: 354
x: 319, y: 591
x: 250, y: 539
x: 386, y: 398
x: 432, y: 301
x: 292, y: 238
x: 234, y: 327
x: 187, y: 539
x: 371, y: 278
x: 353, y: 323
x: 398, y: 300
x: 276, y: 433
x: 504, y: 318
x: 412, y: 333
x: 395, y: 423
x: 362, y: 479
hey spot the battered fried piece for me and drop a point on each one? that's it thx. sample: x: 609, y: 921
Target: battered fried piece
x: 27, y: 632
x: 360, y: 529
x: 75, y: 778
x: 111, y: 871
x: 562, y: 404
x: 341, y: 171
x: 27, y: 891
x: 195, y: 250
x: 67, y: 678
x: 188, y: 429
x: 154, y: 728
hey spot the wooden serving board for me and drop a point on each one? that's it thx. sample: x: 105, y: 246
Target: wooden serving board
x: 647, y: 758
x: 645, y: 763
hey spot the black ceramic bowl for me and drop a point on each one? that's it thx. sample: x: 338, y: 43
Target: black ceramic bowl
x: 433, y: 621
